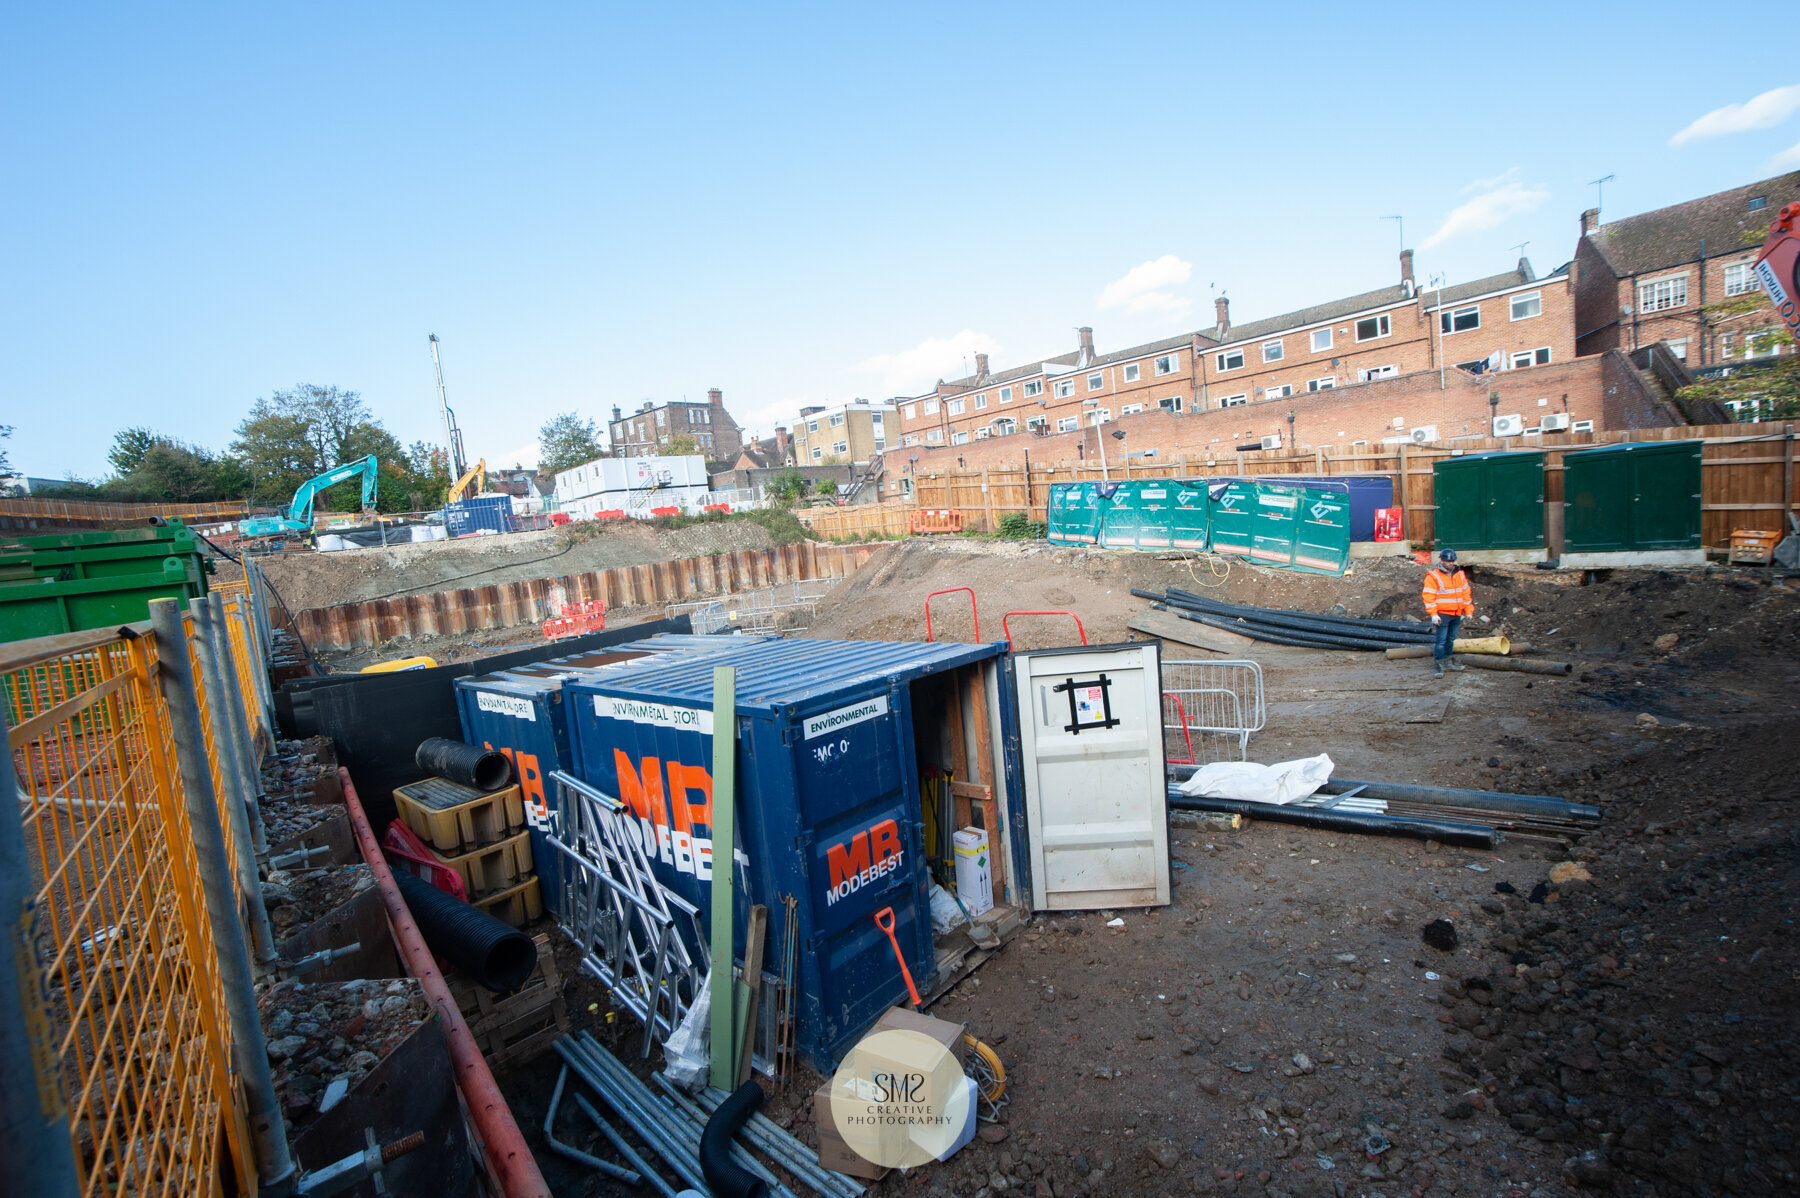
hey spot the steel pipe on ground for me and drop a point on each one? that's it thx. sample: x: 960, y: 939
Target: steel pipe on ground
x: 1498, y: 802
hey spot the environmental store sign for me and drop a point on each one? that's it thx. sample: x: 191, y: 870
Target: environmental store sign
x: 844, y: 717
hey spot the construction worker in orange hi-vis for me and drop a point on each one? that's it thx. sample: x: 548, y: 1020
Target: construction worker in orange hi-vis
x: 1447, y: 600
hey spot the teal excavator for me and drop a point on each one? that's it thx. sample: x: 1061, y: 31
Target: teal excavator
x: 298, y: 516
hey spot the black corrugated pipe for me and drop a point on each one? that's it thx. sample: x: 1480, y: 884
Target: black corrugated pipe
x: 1307, y: 624
x: 470, y: 765
x: 1283, y: 636
x: 493, y: 954
x: 1472, y: 836
x: 1249, y: 612
x: 724, y: 1176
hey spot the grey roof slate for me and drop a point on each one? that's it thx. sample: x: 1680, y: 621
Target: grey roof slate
x: 1652, y: 241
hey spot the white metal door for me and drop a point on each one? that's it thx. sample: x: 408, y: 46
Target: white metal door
x: 1096, y: 801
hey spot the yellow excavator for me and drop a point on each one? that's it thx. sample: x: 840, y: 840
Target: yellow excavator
x: 474, y: 482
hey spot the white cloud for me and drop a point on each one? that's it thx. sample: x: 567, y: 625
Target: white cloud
x: 911, y: 371
x: 1486, y: 211
x: 1141, y: 289
x: 1759, y: 112
x: 1788, y: 158
x: 525, y: 455
x: 1486, y: 184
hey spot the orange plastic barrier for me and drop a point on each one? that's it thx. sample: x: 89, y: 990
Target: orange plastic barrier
x: 577, y: 619
x: 934, y: 519
x: 665, y: 511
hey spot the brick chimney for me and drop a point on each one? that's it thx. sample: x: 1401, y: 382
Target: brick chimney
x: 781, y: 442
x: 1087, y: 346
x: 715, y: 397
x: 617, y: 415
x: 981, y: 367
x: 1406, y: 273
x: 1222, y: 306
x: 1590, y: 220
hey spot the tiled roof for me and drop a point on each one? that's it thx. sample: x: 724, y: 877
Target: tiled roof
x: 1725, y: 222
x: 1257, y: 330
x: 1493, y: 283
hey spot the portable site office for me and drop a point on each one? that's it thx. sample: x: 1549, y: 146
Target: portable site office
x: 1056, y: 754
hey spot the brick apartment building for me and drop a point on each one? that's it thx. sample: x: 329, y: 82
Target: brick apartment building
x: 1664, y: 275
x: 646, y: 431
x: 1508, y: 321
x: 852, y: 432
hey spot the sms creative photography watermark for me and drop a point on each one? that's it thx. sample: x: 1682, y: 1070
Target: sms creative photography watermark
x: 901, y: 1099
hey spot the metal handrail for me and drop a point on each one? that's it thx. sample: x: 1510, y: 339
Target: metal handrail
x: 974, y: 614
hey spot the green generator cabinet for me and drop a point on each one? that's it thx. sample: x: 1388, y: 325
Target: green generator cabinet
x: 1633, y: 504
x: 50, y: 606
x: 1490, y: 503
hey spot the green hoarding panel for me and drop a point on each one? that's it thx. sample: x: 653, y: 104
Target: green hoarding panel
x: 1231, y: 511
x: 1156, y: 512
x: 1515, y: 501
x: 1322, y: 534
x: 1457, y: 491
x: 1188, y: 519
x: 1119, y: 515
x: 1074, y: 513
x: 1272, y: 532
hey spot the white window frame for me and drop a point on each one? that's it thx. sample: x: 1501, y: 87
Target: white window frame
x: 1370, y: 374
x: 817, y: 453
x: 910, y: 412
x: 1006, y: 395
x: 840, y: 447
x: 1005, y: 426
x: 662, y: 418
x: 1225, y: 363
x: 1535, y: 298
x: 1167, y: 364
x: 699, y: 416
x: 1679, y: 347
x: 1037, y: 422
x: 1134, y: 371
x: 1447, y: 319
x: 1233, y: 401
x: 837, y: 419
x: 1317, y: 348
x: 1324, y: 384
x: 981, y: 402
x: 1171, y: 404
x: 1096, y: 381
x: 959, y: 438
x: 1034, y: 388
x: 875, y: 419
x: 1067, y: 424
x: 812, y: 426
x: 1384, y: 327
x: 1131, y: 409
x: 935, y: 434
x: 1279, y: 391
x: 1065, y: 388
x: 953, y: 407
x: 1675, y: 295
x: 909, y: 440
x: 1746, y: 277
x: 1273, y: 351
x: 931, y: 407
x: 982, y: 434
x: 1582, y: 426
x: 1099, y: 416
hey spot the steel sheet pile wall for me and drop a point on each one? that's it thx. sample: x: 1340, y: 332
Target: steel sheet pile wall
x: 507, y: 605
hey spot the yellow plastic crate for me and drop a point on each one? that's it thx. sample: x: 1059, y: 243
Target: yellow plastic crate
x: 496, y: 867
x: 453, y: 818
x: 517, y: 906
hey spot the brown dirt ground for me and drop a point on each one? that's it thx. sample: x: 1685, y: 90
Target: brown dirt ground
x: 1630, y: 1033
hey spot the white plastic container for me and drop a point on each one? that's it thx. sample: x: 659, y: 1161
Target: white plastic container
x: 974, y: 871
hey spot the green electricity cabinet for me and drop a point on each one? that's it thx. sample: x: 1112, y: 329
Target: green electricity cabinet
x: 1489, y: 501
x: 1630, y: 498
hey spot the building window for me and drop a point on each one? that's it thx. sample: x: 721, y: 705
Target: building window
x: 1663, y: 294
x: 981, y: 402
x: 1133, y: 372
x: 1005, y: 427
x: 1376, y: 372
x: 936, y: 434
x: 1006, y: 395
x: 662, y: 418
x: 1038, y: 422
x: 1065, y: 388
x: 1761, y: 344
x: 1371, y: 327
x: 1679, y: 348
x: 1321, y: 384
x: 953, y: 407
x: 931, y: 407
x: 1281, y: 392
x: 1272, y: 351
x: 1167, y: 364
x: 1531, y: 357
x: 982, y: 434
x: 1034, y: 388
x: 909, y: 440
x: 837, y: 420
x: 1171, y: 404
x: 1066, y: 424
x: 909, y: 412
x: 699, y: 416
x: 1131, y: 409
x: 1321, y: 340
x: 1461, y: 320
x: 1231, y: 360
x: 817, y: 453
x: 959, y: 438
x: 1234, y: 401
x: 1100, y: 416
x: 812, y: 426
x: 875, y: 419
x: 1524, y: 307
x: 840, y: 447
x: 1583, y: 426
x: 1096, y: 381
x: 1740, y: 277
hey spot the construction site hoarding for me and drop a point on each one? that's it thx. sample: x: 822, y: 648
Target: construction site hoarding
x: 1643, y: 496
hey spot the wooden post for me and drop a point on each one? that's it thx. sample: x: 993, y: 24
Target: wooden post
x: 1787, y: 480
x: 1400, y: 496
x: 1319, y: 459
x: 987, y: 499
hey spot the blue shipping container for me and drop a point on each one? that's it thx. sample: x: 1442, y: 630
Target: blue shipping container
x: 830, y: 736
x: 485, y: 513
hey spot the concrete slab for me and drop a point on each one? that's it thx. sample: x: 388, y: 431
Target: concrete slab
x: 1501, y: 557
x: 1362, y: 549
x: 1645, y: 557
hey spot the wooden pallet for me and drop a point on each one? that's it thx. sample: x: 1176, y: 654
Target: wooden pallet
x: 511, y: 1029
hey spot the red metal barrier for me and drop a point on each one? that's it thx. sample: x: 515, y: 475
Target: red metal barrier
x: 974, y: 615
x: 930, y: 520
x: 1007, y: 632
x: 578, y: 619
x: 514, y: 1170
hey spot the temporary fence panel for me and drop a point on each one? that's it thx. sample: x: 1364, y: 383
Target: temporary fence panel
x: 827, y: 795
x: 1322, y: 532
x: 1189, y: 516
x: 1156, y: 512
x: 1074, y: 513
x: 1095, y: 798
x: 1367, y: 494
x: 1231, y: 514
x: 1641, y: 496
x: 1275, y: 525
x: 1121, y: 513
x: 1210, y: 709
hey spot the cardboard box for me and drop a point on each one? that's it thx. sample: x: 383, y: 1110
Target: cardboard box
x: 974, y: 871
x: 950, y: 1035
x: 834, y: 1154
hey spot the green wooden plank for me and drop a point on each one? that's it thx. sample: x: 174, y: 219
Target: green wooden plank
x: 723, y: 1049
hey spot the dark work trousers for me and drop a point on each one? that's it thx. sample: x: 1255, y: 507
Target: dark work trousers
x: 1444, y: 637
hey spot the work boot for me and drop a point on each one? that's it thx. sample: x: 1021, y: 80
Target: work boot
x: 1450, y: 663
x: 1437, y: 667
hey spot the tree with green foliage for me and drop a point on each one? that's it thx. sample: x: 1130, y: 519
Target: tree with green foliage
x: 827, y: 487
x: 300, y: 433
x: 1766, y: 385
x: 6, y: 488
x: 681, y: 445
x: 129, y: 447
x: 785, y: 489
x: 173, y: 472
x: 566, y: 441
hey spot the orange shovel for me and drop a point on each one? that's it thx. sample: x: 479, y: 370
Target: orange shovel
x: 884, y: 919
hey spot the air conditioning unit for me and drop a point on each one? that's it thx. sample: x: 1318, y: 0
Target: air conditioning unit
x: 1424, y: 433
x: 1553, y: 424
x: 1509, y: 426
x: 1272, y: 442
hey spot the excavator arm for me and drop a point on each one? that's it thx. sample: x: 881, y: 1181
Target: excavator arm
x: 476, y: 474
x: 298, y: 517
x: 1778, y: 267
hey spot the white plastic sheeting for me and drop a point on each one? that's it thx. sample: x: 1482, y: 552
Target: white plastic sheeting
x: 1282, y: 783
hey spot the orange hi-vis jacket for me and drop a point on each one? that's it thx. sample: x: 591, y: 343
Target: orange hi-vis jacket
x: 1448, y: 594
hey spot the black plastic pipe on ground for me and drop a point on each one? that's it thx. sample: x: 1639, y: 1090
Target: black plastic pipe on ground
x: 1283, y: 636
x: 1310, y: 624
x: 724, y: 1176
x: 470, y: 765
x: 1177, y: 595
x: 1471, y: 836
x: 488, y: 951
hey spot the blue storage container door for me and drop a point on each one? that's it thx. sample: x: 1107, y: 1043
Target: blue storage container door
x: 529, y: 725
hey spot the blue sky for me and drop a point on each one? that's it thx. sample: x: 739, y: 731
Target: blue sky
x: 594, y: 205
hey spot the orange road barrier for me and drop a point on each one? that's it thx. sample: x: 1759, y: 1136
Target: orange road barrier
x: 934, y: 519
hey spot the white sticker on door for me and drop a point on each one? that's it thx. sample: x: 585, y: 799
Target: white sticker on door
x: 510, y: 705
x: 843, y: 717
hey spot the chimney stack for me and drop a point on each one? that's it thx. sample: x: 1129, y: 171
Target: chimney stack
x: 715, y: 397
x: 1222, y: 306
x: 1087, y: 346
x: 981, y: 367
x: 1406, y: 273
x: 1590, y: 220
x: 617, y: 415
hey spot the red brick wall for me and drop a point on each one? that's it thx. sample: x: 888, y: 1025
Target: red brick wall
x: 1603, y: 389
